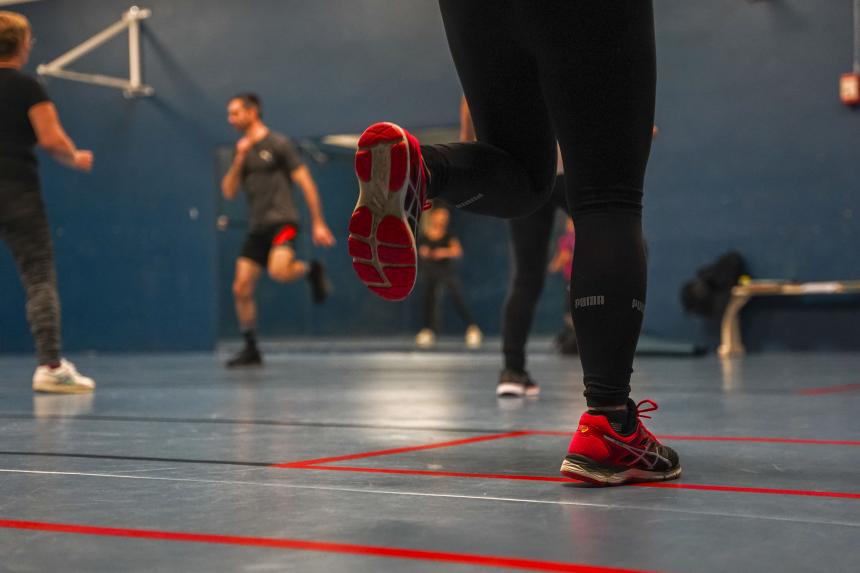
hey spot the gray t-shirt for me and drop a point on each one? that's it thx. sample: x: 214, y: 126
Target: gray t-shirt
x: 267, y: 184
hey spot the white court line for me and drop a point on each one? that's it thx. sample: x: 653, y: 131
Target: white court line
x: 439, y: 495
x: 122, y: 472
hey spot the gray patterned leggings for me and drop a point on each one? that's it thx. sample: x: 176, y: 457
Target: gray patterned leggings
x: 24, y: 228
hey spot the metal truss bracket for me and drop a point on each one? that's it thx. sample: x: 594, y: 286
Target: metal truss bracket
x: 131, y: 87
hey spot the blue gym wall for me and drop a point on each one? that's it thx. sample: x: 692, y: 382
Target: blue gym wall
x: 755, y: 153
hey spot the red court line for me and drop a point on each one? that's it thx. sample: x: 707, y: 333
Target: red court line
x: 725, y: 439
x: 434, y: 473
x: 320, y: 546
x: 404, y: 450
x: 522, y: 433
x: 763, y: 440
x: 829, y: 390
x: 514, y: 477
x: 760, y: 490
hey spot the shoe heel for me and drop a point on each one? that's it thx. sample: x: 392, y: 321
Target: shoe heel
x: 381, y: 244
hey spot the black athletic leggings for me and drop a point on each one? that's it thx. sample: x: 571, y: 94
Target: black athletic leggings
x: 435, y: 277
x: 530, y: 238
x: 582, y: 72
x: 24, y: 228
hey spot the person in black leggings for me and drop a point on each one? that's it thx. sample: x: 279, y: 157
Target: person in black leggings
x: 529, y: 237
x: 530, y: 244
x: 582, y: 73
x: 28, y: 118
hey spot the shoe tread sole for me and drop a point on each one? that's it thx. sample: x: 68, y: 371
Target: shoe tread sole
x: 381, y: 242
x: 582, y: 468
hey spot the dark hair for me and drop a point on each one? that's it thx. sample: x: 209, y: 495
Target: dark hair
x: 250, y: 100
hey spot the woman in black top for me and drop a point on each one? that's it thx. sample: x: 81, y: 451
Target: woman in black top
x: 28, y: 118
x: 438, y: 251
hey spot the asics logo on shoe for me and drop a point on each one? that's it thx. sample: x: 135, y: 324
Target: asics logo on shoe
x: 642, y: 454
x: 414, y: 204
x: 413, y: 212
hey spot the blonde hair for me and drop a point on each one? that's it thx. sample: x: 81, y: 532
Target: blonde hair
x: 14, y: 29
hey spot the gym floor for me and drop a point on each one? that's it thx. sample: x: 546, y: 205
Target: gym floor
x: 374, y: 460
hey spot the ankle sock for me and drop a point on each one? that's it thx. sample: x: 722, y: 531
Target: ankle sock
x: 622, y: 421
x: 250, y: 336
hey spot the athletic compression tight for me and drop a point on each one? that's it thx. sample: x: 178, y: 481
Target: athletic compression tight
x: 581, y: 72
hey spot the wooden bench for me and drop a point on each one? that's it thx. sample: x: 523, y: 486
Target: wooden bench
x: 730, y: 331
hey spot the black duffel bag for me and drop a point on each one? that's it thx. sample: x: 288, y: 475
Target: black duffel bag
x: 709, y: 293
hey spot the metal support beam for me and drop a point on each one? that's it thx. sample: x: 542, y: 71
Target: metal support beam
x: 133, y: 86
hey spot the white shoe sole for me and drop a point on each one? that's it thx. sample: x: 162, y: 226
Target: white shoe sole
x: 382, y: 239
x: 580, y: 471
x: 51, y: 388
x: 510, y: 390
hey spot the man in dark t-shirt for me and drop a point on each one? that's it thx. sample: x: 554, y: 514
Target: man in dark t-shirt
x: 266, y: 165
x: 28, y: 118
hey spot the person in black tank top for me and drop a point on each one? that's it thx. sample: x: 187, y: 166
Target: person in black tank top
x: 28, y: 118
x: 438, y: 250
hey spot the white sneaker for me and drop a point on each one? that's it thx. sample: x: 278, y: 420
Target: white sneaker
x: 425, y: 338
x: 516, y: 384
x: 474, y: 337
x: 64, y: 379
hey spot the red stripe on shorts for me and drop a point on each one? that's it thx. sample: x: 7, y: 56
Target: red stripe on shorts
x: 285, y: 235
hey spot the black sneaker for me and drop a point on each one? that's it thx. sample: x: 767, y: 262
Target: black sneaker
x: 516, y: 384
x: 320, y: 285
x: 248, y: 356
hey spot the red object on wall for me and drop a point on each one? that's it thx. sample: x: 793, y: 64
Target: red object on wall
x: 849, y: 89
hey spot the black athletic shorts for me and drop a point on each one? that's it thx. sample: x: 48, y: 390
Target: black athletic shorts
x: 258, y: 244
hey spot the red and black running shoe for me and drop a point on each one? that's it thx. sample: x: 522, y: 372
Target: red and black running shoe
x: 600, y: 455
x: 384, y: 225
